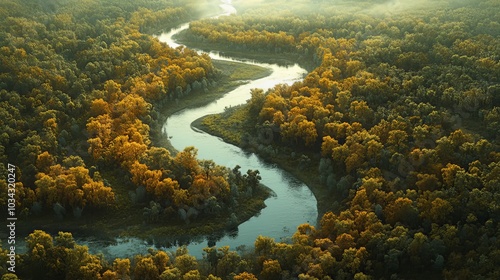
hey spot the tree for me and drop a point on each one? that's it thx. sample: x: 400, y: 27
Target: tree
x: 39, y: 239
x: 397, y: 141
x: 109, y: 275
x: 361, y: 201
x: 354, y: 161
x: 192, y: 275
x: 146, y: 269
x: 418, y: 248
x: 44, y: 161
x: 98, y: 195
x: 126, y: 150
x: 65, y: 239
x: 186, y: 163
x: 401, y: 210
x: 345, y: 241
x: 440, y: 209
x: 100, y: 129
x: 360, y: 112
x: 122, y: 268
x: 158, y: 158
x: 171, y: 273
x: 245, y: 276
x: 307, y: 131
x: 185, y: 263
x: 354, y: 259
x: 449, y: 172
x: 131, y: 108
x: 229, y: 261
x: 82, y: 265
x: 329, y: 143
x: 9, y: 276
x: 256, y: 102
x: 271, y: 269
x: 99, y: 107
x: 264, y: 245
x: 427, y: 182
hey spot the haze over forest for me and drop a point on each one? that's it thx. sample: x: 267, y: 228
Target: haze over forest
x: 395, y: 129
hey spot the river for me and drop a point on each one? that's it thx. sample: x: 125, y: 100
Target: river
x: 293, y: 204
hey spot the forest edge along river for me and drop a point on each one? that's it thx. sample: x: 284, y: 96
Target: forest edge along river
x: 293, y: 203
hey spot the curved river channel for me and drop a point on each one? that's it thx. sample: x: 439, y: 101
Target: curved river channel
x: 293, y: 204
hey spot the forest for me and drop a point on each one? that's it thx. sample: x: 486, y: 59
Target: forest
x: 396, y: 129
x: 399, y: 120
x: 82, y: 94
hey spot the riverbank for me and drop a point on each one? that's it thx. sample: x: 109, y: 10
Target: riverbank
x: 232, y: 127
x: 279, y: 58
x: 231, y: 75
x: 126, y: 219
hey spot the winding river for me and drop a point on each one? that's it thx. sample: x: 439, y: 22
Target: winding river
x: 293, y: 204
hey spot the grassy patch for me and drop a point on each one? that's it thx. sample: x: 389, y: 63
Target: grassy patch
x: 236, y: 71
x: 232, y: 75
x: 229, y: 125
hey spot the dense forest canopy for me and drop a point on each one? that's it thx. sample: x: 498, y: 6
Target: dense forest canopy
x: 399, y: 120
x: 82, y: 87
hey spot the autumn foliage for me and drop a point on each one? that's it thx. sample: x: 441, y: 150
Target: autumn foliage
x: 398, y: 120
x: 401, y: 110
x: 86, y: 85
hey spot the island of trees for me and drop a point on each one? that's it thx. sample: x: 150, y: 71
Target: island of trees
x: 395, y: 129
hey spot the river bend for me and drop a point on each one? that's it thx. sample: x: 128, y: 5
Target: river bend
x: 294, y: 203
